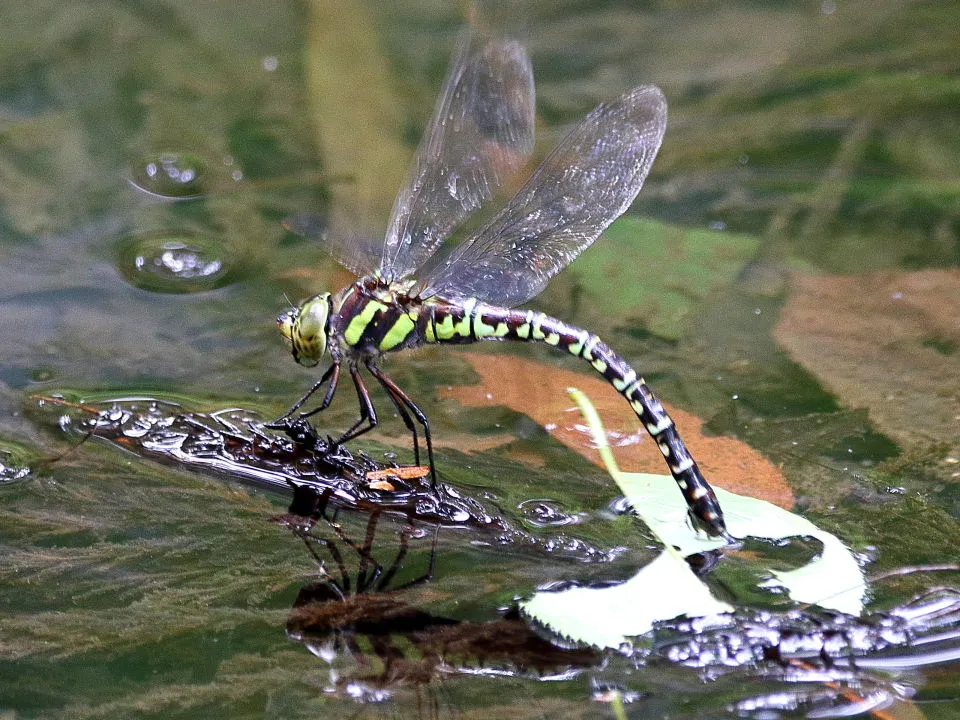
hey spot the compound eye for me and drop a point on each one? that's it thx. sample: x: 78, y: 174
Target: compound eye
x: 308, y: 329
x: 311, y: 324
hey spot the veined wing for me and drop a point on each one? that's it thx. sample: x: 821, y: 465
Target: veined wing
x: 481, y: 131
x: 357, y: 253
x: 588, y: 181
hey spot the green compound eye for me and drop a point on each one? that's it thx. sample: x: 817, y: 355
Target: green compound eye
x: 305, y: 329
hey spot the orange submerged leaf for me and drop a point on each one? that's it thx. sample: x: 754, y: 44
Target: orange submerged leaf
x: 539, y: 391
x: 411, y: 472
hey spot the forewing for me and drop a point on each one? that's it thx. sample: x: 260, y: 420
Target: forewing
x: 355, y: 252
x: 588, y: 181
x: 481, y: 131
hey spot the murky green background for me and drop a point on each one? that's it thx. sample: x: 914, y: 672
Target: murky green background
x: 820, y: 137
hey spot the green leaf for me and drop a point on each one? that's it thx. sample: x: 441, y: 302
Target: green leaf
x: 667, y: 588
x: 609, y: 616
x: 833, y: 580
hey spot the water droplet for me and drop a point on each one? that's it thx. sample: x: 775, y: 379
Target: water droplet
x: 176, y: 176
x: 175, y: 263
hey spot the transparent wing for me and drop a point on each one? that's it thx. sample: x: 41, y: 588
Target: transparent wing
x: 481, y: 131
x: 357, y: 253
x: 588, y: 181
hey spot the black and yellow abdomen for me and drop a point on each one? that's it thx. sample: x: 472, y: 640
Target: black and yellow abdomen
x: 471, y: 321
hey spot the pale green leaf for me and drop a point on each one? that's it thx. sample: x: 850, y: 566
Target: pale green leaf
x: 666, y: 588
x: 609, y: 616
x: 834, y: 580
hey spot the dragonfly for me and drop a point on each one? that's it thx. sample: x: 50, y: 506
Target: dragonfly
x: 409, y: 295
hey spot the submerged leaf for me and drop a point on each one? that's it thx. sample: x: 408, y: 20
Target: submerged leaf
x: 536, y: 390
x: 680, y: 268
x: 607, y: 617
x: 858, y: 334
x: 833, y: 580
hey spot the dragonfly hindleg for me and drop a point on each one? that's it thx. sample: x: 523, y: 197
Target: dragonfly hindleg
x: 401, y: 410
x: 400, y: 398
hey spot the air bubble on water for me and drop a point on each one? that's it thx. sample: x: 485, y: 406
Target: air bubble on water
x: 174, y: 262
x: 170, y: 175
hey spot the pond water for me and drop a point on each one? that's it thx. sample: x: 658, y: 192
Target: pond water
x: 788, y: 281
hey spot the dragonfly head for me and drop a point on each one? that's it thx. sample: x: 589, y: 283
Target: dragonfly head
x: 306, y: 329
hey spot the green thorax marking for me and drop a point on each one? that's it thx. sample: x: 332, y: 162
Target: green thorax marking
x: 378, y: 316
x: 398, y: 332
x: 359, y: 322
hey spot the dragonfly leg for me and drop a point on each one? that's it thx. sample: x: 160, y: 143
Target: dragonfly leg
x: 400, y: 405
x: 333, y: 375
x: 400, y: 397
x: 368, y: 413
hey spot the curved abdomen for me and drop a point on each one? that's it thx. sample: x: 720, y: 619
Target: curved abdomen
x: 472, y: 321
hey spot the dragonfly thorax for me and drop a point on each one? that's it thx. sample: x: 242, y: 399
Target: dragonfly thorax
x: 306, y: 328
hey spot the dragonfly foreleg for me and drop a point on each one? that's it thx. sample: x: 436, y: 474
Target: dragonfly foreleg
x: 333, y: 376
x: 399, y: 398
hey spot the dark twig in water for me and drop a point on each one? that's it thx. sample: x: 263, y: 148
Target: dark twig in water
x: 237, y: 445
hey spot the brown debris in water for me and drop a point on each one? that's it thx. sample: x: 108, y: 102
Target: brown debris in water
x: 536, y: 390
